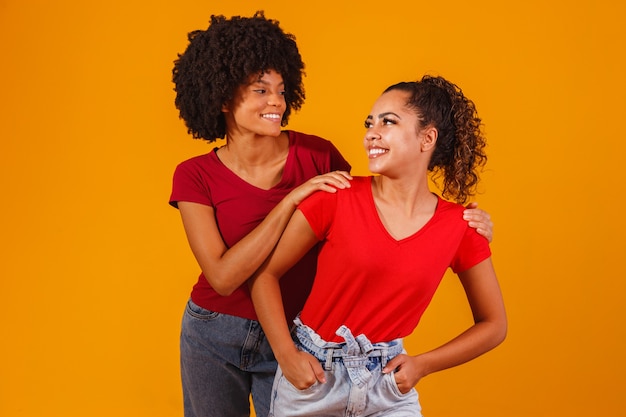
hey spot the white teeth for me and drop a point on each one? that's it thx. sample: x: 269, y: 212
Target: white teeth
x: 377, y: 151
x: 271, y: 116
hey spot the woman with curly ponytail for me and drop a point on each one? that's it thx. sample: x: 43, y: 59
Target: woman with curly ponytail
x: 460, y: 143
x: 385, y: 244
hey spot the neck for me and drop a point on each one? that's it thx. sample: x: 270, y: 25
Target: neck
x: 251, y: 150
x: 410, y: 196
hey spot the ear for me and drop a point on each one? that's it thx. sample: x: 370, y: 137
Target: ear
x: 429, y: 138
x: 225, y: 108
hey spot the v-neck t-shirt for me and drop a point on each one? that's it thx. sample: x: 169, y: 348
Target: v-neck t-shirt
x: 370, y: 282
x: 240, y: 206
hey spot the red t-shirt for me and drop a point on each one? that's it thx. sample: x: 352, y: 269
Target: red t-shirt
x: 240, y: 207
x: 369, y: 281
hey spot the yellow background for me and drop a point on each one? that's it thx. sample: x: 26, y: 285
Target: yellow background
x: 94, y: 265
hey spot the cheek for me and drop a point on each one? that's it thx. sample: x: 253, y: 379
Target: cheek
x: 412, y: 143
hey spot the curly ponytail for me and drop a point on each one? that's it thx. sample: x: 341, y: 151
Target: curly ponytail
x: 459, y: 151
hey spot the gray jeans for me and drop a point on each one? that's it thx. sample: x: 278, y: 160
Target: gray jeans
x: 224, y: 359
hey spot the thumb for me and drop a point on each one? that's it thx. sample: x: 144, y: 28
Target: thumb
x: 472, y: 205
x: 317, y: 369
x: 393, y: 364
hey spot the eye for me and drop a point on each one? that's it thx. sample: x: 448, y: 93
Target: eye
x: 388, y: 121
x: 367, y: 123
x: 260, y: 91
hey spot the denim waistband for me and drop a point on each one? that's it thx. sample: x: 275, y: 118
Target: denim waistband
x: 356, y: 351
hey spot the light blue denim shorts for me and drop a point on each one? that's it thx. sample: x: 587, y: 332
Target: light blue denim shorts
x: 355, y: 384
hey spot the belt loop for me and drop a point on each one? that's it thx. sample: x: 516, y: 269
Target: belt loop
x: 329, y: 360
x: 383, y: 357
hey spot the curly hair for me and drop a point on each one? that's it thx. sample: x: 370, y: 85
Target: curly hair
x: 223, y: 57
x: 460, y: 149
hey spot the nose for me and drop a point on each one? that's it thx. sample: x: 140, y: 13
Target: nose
x: 276, y: 99
x: 371, y: 134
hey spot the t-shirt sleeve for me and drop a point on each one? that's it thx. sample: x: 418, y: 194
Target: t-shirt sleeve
x: 473, y: 249
x: 188, y: 185
x: 319, y: 210
x: 337, y: 161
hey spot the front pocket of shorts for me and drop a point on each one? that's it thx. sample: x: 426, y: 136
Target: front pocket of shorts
x: 308, y: 390
x: 311, y: 391
x: 393, y: 386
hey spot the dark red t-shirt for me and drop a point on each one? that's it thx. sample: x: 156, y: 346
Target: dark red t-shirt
x: 240, y: 207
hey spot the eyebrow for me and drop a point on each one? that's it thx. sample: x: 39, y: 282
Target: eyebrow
x: 262, y: 81
x: 381, y: 115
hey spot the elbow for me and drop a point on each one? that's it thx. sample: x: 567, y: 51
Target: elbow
x: 501, y: 335
x: 500, y: 332
x: 221, y: 285
x: 224, y: 291
x: 495, y: 331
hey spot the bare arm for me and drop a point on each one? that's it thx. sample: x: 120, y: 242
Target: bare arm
x: 300, y: 368
x: 227, y: 268
x: 489, y: 330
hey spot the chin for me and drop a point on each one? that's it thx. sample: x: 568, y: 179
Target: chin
x: 374, y: 169
x: 274, y: 133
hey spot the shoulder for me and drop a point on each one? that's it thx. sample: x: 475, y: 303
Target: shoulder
x: 449, y: 217
x: 359, y: 184
x: 320, y: 153
x: 449, y: 208
x: 198, y: 162
x: 308, y: 141
x: 358, y: 187
x: 359, y: 191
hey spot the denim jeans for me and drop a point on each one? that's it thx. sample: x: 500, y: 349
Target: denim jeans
x: 355, y: 384
x: 224, y: 359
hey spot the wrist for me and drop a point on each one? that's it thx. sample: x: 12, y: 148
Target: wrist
x: 421, y: 366
x: 294, y: 199
x: 283, y: 353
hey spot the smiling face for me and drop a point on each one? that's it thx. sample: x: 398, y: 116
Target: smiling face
x: 258, y: 106
x: 393, y: 142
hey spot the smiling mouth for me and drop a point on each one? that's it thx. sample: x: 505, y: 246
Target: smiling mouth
x: 376, y: 152
x: 272, y: 116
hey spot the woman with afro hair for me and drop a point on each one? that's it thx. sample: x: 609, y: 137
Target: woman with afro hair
x: 385, y: 244
x: 239, y: 80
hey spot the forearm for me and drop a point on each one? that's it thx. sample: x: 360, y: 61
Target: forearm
x: 477, y: 340
x: 268, y: 303
x: 228, y: 268
x: 490, y: 323
x: 300, y: 368
x: 241, y: 260
x: 489, y: 330
x: 297, y: 239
